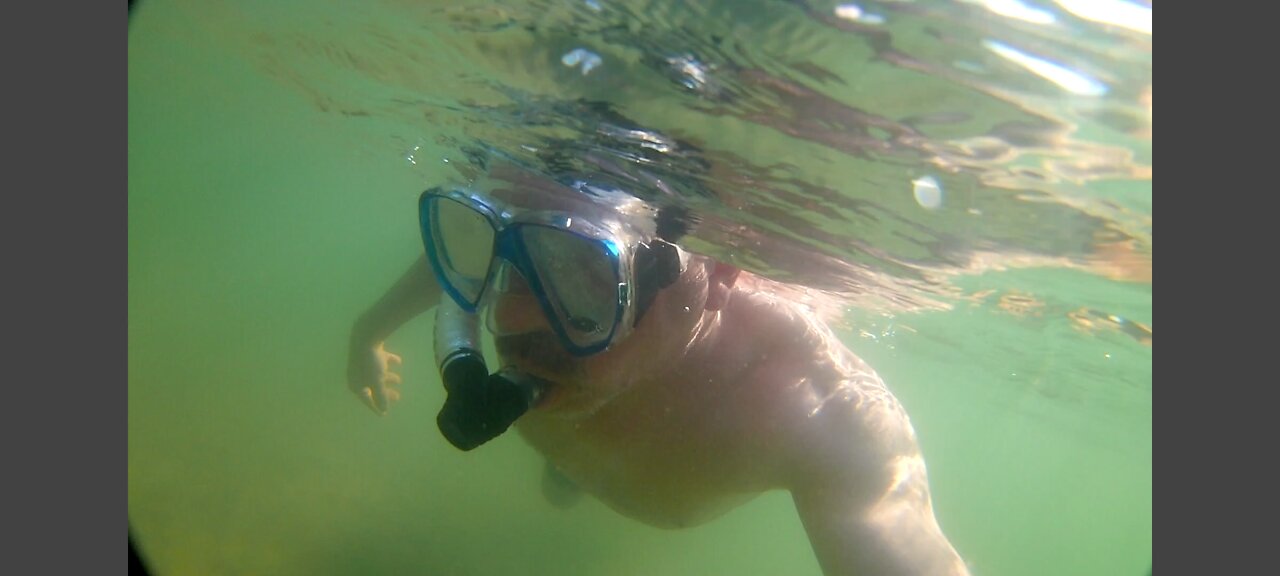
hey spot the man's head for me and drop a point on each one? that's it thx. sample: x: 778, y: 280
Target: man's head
x: 555, y: 322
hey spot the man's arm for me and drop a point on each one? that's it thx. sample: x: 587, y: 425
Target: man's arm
x: 862, y: 492
x: 895, y: 534
x: 368, y: 364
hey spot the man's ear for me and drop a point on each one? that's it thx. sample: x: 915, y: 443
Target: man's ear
x: 720, y: 281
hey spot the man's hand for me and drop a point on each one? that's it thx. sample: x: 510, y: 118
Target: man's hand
x: 369, y: 366
x: 369, y: 375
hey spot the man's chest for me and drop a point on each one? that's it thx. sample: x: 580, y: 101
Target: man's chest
x: 663, y: 463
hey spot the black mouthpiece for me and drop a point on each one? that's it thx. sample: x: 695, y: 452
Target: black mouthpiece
x: 480, y: 408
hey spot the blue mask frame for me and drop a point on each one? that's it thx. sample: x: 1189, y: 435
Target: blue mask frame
x: 509, y: 246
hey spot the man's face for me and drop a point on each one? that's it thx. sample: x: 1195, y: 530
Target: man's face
x: 582, y: 385
x: 525, y: 339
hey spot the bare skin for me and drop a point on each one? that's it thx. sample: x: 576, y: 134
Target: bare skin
x: 722, y: 392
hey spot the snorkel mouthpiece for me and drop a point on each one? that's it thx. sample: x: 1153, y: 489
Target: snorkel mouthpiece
x: 478, y: 407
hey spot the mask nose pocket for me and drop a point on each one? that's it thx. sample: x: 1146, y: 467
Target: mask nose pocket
x: 511, y: 307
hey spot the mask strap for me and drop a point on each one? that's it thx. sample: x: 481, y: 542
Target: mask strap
x: 657, y: 265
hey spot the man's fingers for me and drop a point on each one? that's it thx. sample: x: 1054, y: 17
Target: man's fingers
x: 375, y: 399
x: 391, y: 378
x: 379, y: 399
x: 366, y: 396
x: 392, y: 358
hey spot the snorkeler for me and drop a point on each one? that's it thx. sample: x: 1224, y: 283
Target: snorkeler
x: 670, y: 386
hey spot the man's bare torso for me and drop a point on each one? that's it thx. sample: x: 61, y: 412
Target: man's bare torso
x: 689, y: 446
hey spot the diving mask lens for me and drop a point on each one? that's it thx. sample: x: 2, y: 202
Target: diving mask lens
x: 579, y: 278
x: 462, y: 241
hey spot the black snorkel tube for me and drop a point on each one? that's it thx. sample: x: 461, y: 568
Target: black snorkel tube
x: 479, y: 406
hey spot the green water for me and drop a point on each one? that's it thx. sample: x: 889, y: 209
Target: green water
x: 260, y: 227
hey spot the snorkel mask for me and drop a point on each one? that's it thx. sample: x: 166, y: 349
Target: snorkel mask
x: 593, y: 281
